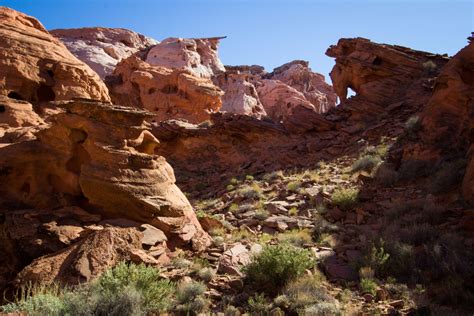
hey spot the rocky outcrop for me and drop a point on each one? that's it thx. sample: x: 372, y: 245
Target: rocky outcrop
x: 448, y: 119
x: 168, y: 93
x: 379, y: 73
x: 102, y: 48
x: 240, y: 95
x: 36, y: 67
x: 85, y: 260
x: 100, y: 156
x: 313, y: 86
x: 198, y: 56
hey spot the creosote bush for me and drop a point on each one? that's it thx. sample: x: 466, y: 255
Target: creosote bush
x: 345, y: 199
x: 276, y: 265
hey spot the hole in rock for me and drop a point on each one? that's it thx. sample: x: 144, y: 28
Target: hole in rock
x: 45, y: 93
x: 169, y: 89
x: 15, y: 95
x: 350, y: 93
x: 2, y: 109
x: 377, y: 61
x: 151, y: 90
x: 50, y: 73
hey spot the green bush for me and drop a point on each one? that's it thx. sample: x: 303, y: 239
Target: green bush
x: 366, y: 163
x: 368, y: 286
x: 345, y: 199
x: 296, y: 237
x: 190, y: 297
x: 293, y: 186
x: 257, y: 305
x: 276, y: 265
x: 322, y: 309
x: 123, y: 290
x: 306, y: 291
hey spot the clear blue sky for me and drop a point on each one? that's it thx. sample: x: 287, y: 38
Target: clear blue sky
x: 271, y: 32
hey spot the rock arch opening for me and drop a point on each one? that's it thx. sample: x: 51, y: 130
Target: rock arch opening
x: 2, y: 109
x: 45, y: 93
x: 15, y: 95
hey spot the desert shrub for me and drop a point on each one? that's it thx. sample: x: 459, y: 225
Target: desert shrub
x: 376, y: 257
x: 272, y: 176
x: 155, y: 293
x: 412, y: 169
x: 276, y: 265
x: 231, y: 310
x: 306, y: 291
x: 206, y: 274
x: 345, y: 198
x: 261, y: 214
x: 366, y: 163
x: 293, y: 186
x: 448, y: 175
x: 37, y: 305
x: 322, y: 309
x: 230, y: 187
x: 190, y: 297
x: 293, y: 211
x: 233, y: 208
x: 297, y: 237
x: 429, y: 67
x: 412, y: 124
x: 234, y: 181
x: 249, y: 177
x: 386, y: 175
x: 123, y: 290
x: 251, y: 192
x: 368, y: 286
x: 257, y: 305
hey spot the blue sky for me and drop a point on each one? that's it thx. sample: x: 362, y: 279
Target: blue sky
x: 271, y: 32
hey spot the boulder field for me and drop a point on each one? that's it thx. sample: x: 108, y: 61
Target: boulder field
x: 116, y: 147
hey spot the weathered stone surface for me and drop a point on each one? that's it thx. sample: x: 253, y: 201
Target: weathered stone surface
x: 86, y: 259
x: 233, y: 259
x: 299, y: 76
x: 102, y: 48
x: 169, y: 94
x: 198, y: 56
x: 104, y: 154
x: 240, y: 95
x: 36, y: 67
x: 379, y: 73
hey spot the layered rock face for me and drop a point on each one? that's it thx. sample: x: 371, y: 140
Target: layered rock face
x: 102, y: 156
x: 380, y: 73
x: 102, y: 48
x: 199, y: 56
x: 163, y: 91
x: 36, y: 67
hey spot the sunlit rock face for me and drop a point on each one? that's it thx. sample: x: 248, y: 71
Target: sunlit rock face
x: 199, y: 56
x: 36, y: 67
x: 102, y: 48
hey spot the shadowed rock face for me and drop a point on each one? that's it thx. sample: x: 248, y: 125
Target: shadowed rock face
x: 102, y: 48
x: 36, y: 67
x: 448, y: 118
x: 102, y: 156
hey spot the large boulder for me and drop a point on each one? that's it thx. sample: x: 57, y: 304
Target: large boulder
x: 102, y: 48
x: 85, y: 260
x: 100, y: 155
x: 168, y: 93
x: 36, y: 67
